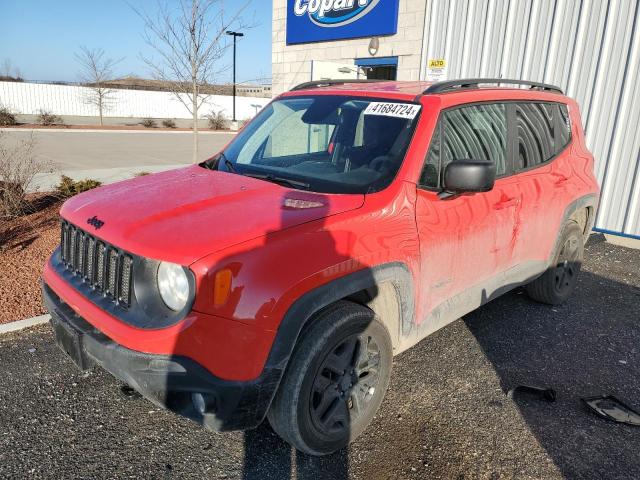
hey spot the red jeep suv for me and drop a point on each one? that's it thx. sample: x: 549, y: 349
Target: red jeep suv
x: 341, y: 226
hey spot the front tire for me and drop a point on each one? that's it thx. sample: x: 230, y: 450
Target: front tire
x: 556, y: 284
x: 335, y: 382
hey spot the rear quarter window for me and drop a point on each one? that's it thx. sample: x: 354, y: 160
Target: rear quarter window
x: 535, y: 129
x: 564, y: 127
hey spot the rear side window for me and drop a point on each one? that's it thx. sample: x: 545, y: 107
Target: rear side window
x: 535, y: 129
x: 477, y: 132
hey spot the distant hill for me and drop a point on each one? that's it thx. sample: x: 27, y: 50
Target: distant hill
x: 138, y: 83
x: 9, y: 78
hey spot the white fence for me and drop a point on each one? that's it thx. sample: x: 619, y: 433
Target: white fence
x: 29, y: 98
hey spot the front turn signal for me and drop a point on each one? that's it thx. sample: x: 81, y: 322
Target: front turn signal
x: 222, y: 287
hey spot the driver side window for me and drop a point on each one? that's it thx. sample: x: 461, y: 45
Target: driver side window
x: 477, y: 132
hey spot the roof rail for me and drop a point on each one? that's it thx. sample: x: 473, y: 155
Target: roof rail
x: 449, y: 85
x: 329, y: 83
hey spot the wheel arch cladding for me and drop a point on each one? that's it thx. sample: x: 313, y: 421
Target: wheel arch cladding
x: 387, y: 289
x: 576, y: 211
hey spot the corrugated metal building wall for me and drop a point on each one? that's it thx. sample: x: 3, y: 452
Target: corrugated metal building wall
x: 591, y: 48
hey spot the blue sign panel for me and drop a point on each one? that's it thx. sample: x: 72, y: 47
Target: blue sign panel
x: 322, y: 20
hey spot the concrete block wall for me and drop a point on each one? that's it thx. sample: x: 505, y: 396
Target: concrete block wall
x: 291, y: 64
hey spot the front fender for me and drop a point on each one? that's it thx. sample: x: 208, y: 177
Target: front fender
x: 303, y: 309
x: 366, y: 279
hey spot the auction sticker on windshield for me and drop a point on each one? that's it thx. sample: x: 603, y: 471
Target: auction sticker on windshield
x: 399, y: 110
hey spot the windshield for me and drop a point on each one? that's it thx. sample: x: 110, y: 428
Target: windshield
x: 331, y: 144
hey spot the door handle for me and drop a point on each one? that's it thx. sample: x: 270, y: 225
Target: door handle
x: 509, y: 202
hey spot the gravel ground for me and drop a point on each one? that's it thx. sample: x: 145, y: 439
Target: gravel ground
x: 25, y: 244
x: 446, y: 414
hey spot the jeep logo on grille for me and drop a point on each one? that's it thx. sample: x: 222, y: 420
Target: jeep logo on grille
x: 95, y: 222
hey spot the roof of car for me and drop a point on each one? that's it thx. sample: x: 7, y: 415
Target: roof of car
x: 404, y: 89
x: 411, y: 90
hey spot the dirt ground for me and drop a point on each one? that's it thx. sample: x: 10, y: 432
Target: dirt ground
x: 25, y: 244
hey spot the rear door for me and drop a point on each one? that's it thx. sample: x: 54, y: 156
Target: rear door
x: 466, y: 239
x: 542, y: 166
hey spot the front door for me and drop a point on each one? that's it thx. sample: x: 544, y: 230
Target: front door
x: 465, y: 240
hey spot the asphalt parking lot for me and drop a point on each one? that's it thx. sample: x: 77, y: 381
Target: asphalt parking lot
x: 85, y: 150
x: 446, y: 414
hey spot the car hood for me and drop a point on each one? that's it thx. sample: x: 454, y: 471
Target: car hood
x: 182, y: 215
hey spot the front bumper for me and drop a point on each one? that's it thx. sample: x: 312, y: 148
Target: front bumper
x: 169, y: 381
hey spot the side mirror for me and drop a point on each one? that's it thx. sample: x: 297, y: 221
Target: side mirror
x: 465, y: 176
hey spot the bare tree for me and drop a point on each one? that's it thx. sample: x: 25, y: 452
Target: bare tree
x: 19, y: 165
x: 8, y: 72
x: 96, y: 71
x: 189, y: 42
x: 6, y: 68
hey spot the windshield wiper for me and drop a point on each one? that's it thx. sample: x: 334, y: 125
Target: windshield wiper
x: 286, y: 182
x: 228, y: 163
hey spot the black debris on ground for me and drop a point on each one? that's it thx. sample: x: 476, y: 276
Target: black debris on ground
x: 446, y: 415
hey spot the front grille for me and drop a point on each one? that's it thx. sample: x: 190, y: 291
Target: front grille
x: 105, y: 268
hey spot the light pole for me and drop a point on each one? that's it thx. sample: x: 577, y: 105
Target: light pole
x: 234, y: 35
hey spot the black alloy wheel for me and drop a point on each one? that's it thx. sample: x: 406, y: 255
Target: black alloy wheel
x: 568, y: 266
x: 345, y: 384
x: 335, y: 381
x: 556, y: 284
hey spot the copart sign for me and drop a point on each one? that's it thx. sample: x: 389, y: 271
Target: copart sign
x: 325, y: 20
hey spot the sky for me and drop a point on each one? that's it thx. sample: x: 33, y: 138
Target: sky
x: 40, y: 37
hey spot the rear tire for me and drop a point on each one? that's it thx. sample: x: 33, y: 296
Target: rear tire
x: 335, y: 382
x: 556, y: 284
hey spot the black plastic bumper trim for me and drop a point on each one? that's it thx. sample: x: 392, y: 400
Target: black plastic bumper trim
x: 166, y: 380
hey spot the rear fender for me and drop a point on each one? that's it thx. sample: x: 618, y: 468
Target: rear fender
x: 576, y: 211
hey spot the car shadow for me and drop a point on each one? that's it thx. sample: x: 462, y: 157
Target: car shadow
x: 318, y: 253
x: 585, y: 347
x: 268, y: 456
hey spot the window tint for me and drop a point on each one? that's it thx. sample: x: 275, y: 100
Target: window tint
x: 477, y: 132
x: 324, y: 143
x: 535, y: 131
x: 564, y: 127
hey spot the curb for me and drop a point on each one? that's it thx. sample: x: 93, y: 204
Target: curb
x: 22, y: 324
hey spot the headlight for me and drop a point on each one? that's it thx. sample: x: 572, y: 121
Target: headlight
x: 173, y: 285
